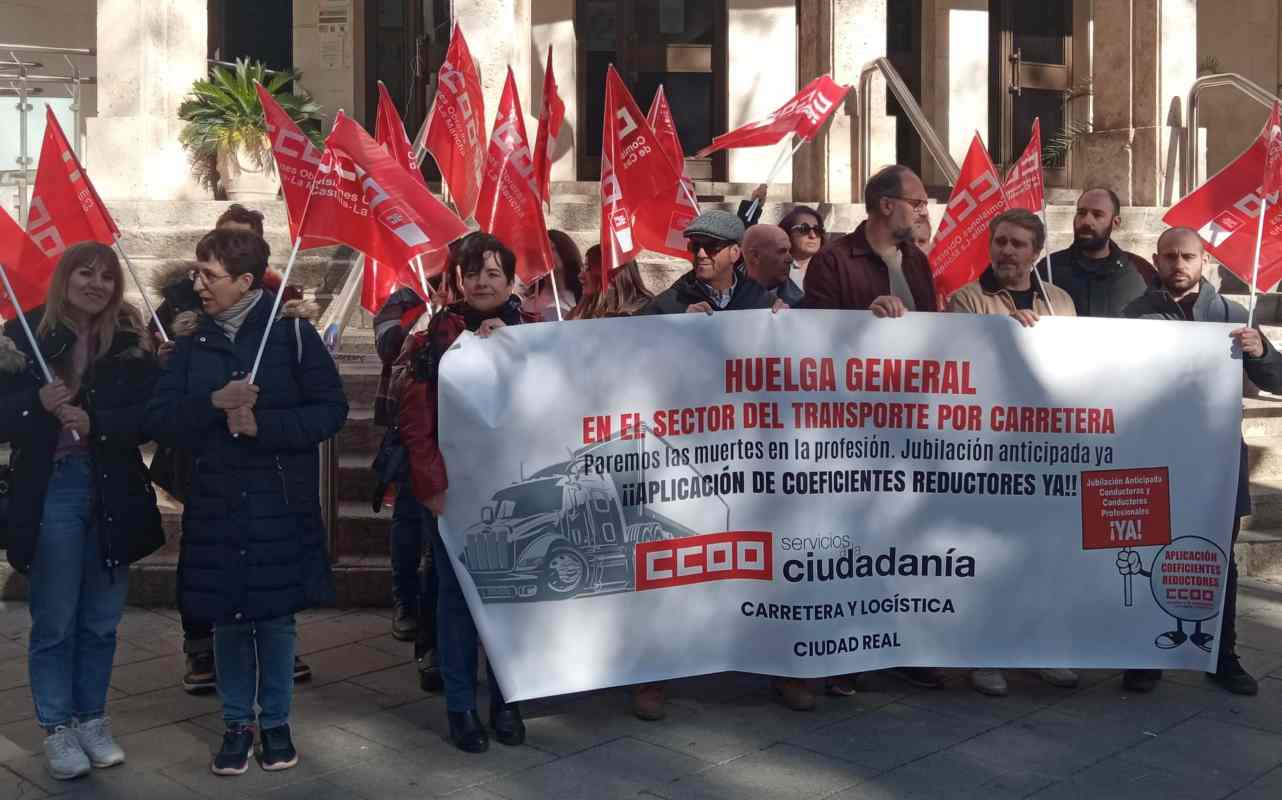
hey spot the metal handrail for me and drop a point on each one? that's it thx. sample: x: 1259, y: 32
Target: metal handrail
x: 35, y: 48
x: 1253, y: 90
x: 916, y: 116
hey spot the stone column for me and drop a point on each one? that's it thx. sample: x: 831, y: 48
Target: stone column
x: 149, y: 53
x: 761, y: 76
x: 552, y: 24
x: 1145, y: 60
x: 840, y: 37
x: 498, y: 35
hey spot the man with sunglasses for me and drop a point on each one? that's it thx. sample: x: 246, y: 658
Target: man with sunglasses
x: 878, y: 267
x: 717, y: 282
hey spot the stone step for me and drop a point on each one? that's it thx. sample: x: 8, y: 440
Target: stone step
x: 1264, y: 457
x: 1266, y: 504
x: 1261, y: 417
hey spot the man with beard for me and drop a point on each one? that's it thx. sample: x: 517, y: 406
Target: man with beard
x: 1100, y: 276
x: 877, y: 268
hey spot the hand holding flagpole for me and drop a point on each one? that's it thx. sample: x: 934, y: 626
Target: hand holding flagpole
x: 31, y: 337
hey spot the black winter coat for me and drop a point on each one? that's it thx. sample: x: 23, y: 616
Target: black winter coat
x: 1099, y: 292
x: 113, y: 392
x: 253, y: 544
x: 688, y: 290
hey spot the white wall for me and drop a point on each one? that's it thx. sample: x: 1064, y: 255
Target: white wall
x: 762, y: 47
x: 967, y: 75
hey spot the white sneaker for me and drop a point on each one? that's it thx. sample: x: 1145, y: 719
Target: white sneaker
x: 1063, y: 678
x: 95, y: 739
x: 63, y: 755
x: 989, y: 681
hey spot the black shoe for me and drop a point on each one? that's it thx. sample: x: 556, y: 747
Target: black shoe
x: 1141, y: 680
x: 302, y: 672
x: 429, y: 675
x: 507, y: 725
x: 233, y: 758
x: 467, y: 733
x: 404, y: 623
x: 201, y: 676
x: 1231, y: 676
x: 277, y: 749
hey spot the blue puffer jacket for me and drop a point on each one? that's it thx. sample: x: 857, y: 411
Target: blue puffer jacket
x: 253, y: 545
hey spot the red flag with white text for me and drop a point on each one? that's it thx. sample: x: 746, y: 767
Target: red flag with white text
x: 456, y: 126
x: 635, y: 173
x: 1025, y: 186
x: 1225, y: 212
x: 297, y: 160
x: 550, y: 118
x: 1273, y: 154
x: 661, y: 226
x: 959, y: 251
x: 389, y: 131
x: 65, y: 208
x: 510, y: 206
x: 26, y: 265
x: 803, y: 115
x: 366, y: 200
x: 378, y: 282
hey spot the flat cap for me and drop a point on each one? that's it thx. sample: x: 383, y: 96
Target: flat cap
x: 716, y: 224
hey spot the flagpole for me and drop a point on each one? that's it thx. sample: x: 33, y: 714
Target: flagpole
x: 783, y: 154
x: 1255, y: 266
x: 1050, y: 276
x: 151, y: 312
x: 284, y: 281
x: 31, y: 337
x: 556, y: 296
x: 694, y: 201
x: 417, y: 261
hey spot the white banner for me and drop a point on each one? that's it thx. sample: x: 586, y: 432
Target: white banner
x: 816, y: 493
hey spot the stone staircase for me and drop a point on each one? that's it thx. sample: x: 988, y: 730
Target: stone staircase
x: 157, y: 232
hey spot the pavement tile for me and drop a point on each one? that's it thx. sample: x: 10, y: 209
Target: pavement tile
x: 148, y: 676
x: 1261, y: 632
x: 1202, y: 748
x: 1263, y: 711
x: 1268, y: 787
x: 891, y: 735
x: 14, y: 673
x: 398, y: 684
x: 1028, y: 693
x: 390, y: 645
x: 10, y: 749
x: 15, y: 620
x: 162, y: 707
x: 1170, y: 704
x: 1119, y: 778
x: 15, y: 704
x: 617, y: 769
x: 15, y: 787
x: 779, y: 771
x: 343, y: 629
x: 1254, y: 660
x: 1053, y: 743
x: 347, y: 661
x: 332, y: 703
x: 434, y: 767
x: 315, y: 789
x: 130, y: 652
x: 157, y: 748
x: 124, y: 782
x: 13, y: 649
x: 949, y: 775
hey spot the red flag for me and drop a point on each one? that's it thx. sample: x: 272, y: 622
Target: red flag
x: 550, y: 118
x: 1225, y: 212
x: 510, y: 206
x: 661, y: 226
x: 365, y: 199
x: 1024, y: 183
x: 959, y: 251
x: 1273, y: 155
x: 297, y: 160
x: 803, y: 115
x: 455, y: 129
x: 28, y: 268
x: 389, y: 130
x: 377, y: 284
x: 634, y: 174
x: 65, y: 208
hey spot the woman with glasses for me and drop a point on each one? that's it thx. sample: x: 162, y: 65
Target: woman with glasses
x: 82, y: 507
x: 805, y: 231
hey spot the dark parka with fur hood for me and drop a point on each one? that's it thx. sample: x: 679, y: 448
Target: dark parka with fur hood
x: 113, y: 392
x: 253, y: 544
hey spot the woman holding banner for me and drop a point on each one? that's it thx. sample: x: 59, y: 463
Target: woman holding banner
x: 488, y: 270
x: 253, y: 546
x: 82, y: 507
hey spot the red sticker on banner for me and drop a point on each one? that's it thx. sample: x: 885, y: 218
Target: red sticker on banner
x: 1126, y: 508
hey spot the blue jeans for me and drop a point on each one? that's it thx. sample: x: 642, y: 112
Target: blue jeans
x: 75, y: 602
x: 256, y: 660
x: 407, y: 548
x: 456, y: 635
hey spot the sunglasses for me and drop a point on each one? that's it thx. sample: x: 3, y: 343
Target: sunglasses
x: 709, y: 246
x: 805, y: 229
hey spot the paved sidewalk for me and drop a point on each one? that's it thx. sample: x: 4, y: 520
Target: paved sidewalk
x: 365, y: 731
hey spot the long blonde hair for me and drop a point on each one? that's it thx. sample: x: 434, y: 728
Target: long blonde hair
x: 116, y: 315
x: 627, y: 293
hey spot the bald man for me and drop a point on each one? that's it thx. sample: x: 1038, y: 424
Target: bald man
x: 767, y: 256
x: 1181, y: 293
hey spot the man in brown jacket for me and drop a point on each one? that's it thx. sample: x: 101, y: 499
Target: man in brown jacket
x: 877, y: 268
x: 1010, y: 285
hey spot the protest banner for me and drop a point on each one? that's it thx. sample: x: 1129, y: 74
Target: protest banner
x: 811, y: 494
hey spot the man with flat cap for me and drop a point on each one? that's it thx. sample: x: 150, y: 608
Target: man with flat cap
x: 716, y: 282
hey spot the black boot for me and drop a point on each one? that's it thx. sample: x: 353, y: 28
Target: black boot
x: 1230, y: 675
x: 507, y: 724
x: 467, y: 733
x: 430, y: 679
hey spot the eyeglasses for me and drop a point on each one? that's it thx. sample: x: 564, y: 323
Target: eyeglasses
x: 914, y: 203
x: 709, y: 246
x: 805, y: 229
x: 205, y: 276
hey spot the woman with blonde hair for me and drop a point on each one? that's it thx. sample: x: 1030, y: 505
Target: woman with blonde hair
x: 627, y: 294
x: 82, y: 507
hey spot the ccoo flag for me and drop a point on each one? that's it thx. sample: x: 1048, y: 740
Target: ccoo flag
x: 297, y: 160
x: 1025, y: 186
x: 456, y: 125
x: 65, y: 208
x: 661, y: 226
x: 550, y: 119
x: 803, y: 115
x: 26, y: 265
x: 959, y: 251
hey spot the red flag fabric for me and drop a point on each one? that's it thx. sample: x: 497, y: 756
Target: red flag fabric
x: 550, y: 118
x: 365, y: 199
x: 661, y: 226
x: 1225, y: 212
x: 803, y: 115
x: 1273, y: 155
x: 959, y: 251
x: 297, y: 161
x: 389, y: 131
x: 65, y: 208
x: 26, y: 265
x: 377, y: 284
x: 1025, y: 187
x: 456, y: 128
x: 635, y: 173
x: 510, y: 206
